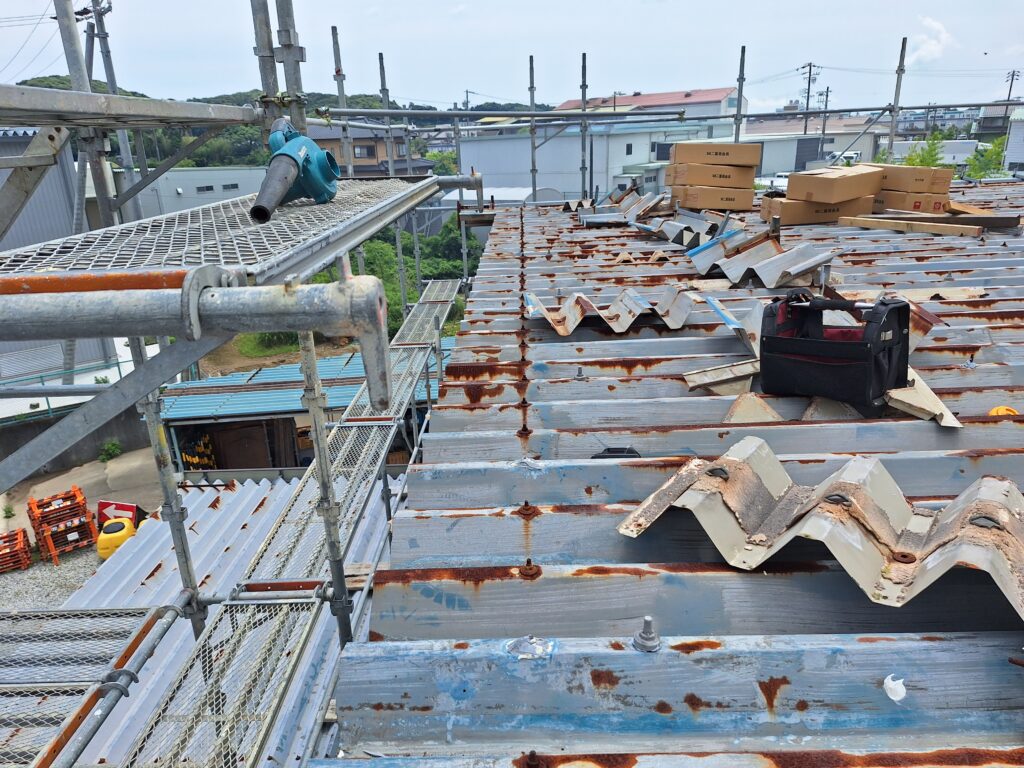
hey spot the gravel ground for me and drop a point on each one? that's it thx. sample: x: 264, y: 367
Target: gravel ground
x: 45, y: 586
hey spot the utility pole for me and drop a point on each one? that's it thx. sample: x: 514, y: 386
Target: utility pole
x: 124, y: 150
x: 895, y: 113
x: 1011, y: 78
x: 79, y: 76
x: 738, y: 117
x: 339, y: 78
x: 465, y: 103
x: 807, y: 100
x: 824, y: 122
x: 385, y: 98
x: 583, y: 131
x: 533, y: 134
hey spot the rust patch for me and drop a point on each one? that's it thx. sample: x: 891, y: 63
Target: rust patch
x: 609, y: 570
x: 775, y: 569
x: 578, y: 761
x: 461, y: 645
x: 933, y: 638
x: 375, y: 637
x: 603, y: 678
x: 615, y: 645
x: 215, y: 504
x: 474, y: 576
x: 696, y: 645
x: 260, y: 505
x: 154, y: 572
x: 696, y: 703
x: 770, y: 689
x: 422, y: 708
x: 589, y: 490
x: 663, y: 708
x: 801, y: 705
x: 876, y: 639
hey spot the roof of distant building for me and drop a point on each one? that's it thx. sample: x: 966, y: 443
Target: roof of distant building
x: 664, y: 99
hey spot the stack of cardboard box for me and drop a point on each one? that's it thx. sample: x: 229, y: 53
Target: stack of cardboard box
x: 825, y: 194
x: 913, y: 188
x: 715, y: 176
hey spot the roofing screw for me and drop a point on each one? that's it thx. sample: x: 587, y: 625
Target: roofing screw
x: 579, y: 373
x: 721, y: 472
x: 529, y: 571
x: 904, y: 557
x: 532, y: 761
x: 647, y: 640
x: 838, y: 498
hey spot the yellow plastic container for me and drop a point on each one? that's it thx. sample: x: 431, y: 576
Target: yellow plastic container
x: 115, y: 532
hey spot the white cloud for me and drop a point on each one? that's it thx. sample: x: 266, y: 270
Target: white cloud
x: 930, y: 44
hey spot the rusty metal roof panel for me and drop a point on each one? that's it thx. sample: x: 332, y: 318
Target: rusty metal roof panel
x: 506, y: 621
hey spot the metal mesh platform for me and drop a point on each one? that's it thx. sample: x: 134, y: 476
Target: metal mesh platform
x: 51, y: 662
x: 217, y: 709
x: 297, y: 546
x: 222, y: 234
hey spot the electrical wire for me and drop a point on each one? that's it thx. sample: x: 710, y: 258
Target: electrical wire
x: 29, y: 62
x: 46, y: 66
x: 28, y: 37
x: 776, y: 77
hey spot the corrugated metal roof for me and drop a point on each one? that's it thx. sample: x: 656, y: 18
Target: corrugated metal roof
x: 262, y: 393
x: 507, y: 621
x: 662, y: 99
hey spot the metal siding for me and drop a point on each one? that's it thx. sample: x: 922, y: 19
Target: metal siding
x: 49, y: 213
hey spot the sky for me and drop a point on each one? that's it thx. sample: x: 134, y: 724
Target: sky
x: 434, y: 50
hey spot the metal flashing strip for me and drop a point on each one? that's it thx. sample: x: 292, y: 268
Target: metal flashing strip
x: 750, y: 508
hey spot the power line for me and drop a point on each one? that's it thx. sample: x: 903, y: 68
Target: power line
x: 28, y: 37
x: 46, y: 45
x: 46, y: 66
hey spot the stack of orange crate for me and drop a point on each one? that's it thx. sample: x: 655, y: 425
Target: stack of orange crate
x: 15, y: 553
x: 62, y: 523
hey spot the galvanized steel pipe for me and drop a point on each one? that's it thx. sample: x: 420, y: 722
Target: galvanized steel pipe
x: 355, y: 307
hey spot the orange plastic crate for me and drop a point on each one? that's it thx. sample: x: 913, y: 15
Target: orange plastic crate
x: 62, y: 523
x: 15, y: 551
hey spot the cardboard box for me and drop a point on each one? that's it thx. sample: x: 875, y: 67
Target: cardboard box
x: 941, y: 179
x: 910, y: 201
x: 918, y: 179
x: 702, y: 175
x: 834, y: 185
x: 806, y: 212
x: 715, y: 198
x: 716, y: 154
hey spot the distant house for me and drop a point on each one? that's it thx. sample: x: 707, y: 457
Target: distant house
x: 993, y: 120
x: 370, y: 153
x: 700, y: 102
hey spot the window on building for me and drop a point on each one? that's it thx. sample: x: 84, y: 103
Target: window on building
x: 208, y: 188
x: 228, y: 187
x: 629, y: 149
x: 731, y: 102
x: 654, y: 147
x: 400, y: 150
x: 364, y: 150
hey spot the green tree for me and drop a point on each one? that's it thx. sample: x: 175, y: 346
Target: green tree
x: 882, y: 156
x: 988, y: 163
x: 444, y: 162
x: 929, y: 153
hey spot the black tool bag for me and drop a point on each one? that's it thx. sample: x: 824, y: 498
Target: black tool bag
x: 855, y: 364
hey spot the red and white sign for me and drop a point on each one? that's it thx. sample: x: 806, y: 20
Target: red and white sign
x: 107, y: 510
